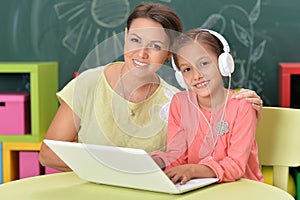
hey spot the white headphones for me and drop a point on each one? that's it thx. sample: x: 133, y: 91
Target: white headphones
x: 225, y: 60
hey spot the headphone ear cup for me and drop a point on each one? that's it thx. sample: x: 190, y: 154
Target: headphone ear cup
x: 226, y: 64
x: 180, y: 80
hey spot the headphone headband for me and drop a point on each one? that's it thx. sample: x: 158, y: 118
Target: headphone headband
x: 221, y: 38
x: 225, y: 60
x: 224, y: 42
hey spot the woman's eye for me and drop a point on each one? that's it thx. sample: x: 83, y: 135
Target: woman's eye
x: 155, y: 46
x: 136, y: 40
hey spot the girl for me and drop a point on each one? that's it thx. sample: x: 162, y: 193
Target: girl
x: 210, y: 134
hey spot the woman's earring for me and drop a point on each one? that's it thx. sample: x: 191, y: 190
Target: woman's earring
x: 168, y: 59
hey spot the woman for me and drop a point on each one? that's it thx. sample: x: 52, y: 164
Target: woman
x: 123, y: 104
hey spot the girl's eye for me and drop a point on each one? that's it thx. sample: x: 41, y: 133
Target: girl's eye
x: 203, y: 64
x: 187, y: 69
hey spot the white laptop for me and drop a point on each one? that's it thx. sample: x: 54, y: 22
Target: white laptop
x: 119, y: 166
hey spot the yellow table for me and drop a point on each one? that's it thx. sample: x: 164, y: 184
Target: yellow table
x: 67, y: 185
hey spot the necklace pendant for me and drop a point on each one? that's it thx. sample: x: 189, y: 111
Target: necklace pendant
x: 131, y: 113
x: 222, y: 128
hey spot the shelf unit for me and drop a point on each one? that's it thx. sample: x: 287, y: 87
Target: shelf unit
x: 286, y: 71
x: 43, y: 101
x: 1, y: 163
x: 11, y: 157
x: 43, y: 81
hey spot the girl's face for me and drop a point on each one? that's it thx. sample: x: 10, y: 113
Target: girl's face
x: 199, y: 67
x: 146, y: 46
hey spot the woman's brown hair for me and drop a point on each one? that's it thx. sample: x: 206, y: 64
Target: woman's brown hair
x: 160, y: 14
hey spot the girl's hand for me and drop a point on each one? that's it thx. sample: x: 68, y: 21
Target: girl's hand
x: 182, y: 173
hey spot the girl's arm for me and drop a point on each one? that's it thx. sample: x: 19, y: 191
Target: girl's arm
x: 176, y: 152
x: 240, y: 144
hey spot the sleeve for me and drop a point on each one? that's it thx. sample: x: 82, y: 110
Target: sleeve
x: 176, y: 153
x: 240, y: 143
x: 66, y: 94
x: 75, y: 93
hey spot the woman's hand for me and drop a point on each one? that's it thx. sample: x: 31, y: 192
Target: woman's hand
x: 251, y: 97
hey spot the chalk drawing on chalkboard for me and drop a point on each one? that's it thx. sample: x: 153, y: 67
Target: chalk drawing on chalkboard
x: 247, y: 73
x: 91, y: 16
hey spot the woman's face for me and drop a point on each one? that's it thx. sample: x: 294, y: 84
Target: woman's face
x: 199, y: 67
x: 146, y: 46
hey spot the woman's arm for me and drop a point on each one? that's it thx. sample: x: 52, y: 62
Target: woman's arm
x: 63, y: 127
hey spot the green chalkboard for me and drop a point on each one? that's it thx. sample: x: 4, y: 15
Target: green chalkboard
x: 261, y: 33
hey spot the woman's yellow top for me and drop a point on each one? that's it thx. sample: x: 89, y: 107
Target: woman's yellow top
x: 105, y: 115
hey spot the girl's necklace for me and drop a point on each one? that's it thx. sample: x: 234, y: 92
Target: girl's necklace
x: 131, y: 111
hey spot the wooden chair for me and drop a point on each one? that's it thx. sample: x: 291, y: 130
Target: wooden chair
x: 278, y: 138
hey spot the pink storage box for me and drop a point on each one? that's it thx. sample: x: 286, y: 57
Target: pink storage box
x: 29, y: 165
x: 14, y: 113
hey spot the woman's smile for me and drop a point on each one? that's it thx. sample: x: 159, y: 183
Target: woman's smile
x: 139, y: 63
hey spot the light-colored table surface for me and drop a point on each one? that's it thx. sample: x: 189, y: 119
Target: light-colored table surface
x: 68, y: 185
